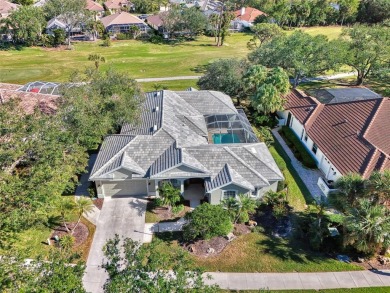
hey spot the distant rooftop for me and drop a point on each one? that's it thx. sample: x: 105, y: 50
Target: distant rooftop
x: 341, y: 95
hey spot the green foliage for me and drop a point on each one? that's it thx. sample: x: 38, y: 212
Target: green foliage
x: 264, y: 134
x: 366, y: 49
x: 96, y: 58
x: 266, y: 87
x: 374, y: 11
x: 300, y: 54
x: 207, y: 221
x: 146, y: 6
x: 67, y: 242
x: 367, y: 226
x: 106, y: 41
x: 25, y: 25
x: 229, y: 81
x: 299, y: 150
x: 58, y: 37
x: 239, y: 207
x: 53, y: 274
x: 262, y: 33
x: 177, y: 209
x: 169, y: 195
x: 132, y: 272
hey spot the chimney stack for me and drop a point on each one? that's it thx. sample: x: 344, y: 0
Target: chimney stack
x: 242, y: 10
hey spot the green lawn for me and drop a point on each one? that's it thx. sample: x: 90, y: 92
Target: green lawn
x: 332, y: 32
x: 344, y: 290
x: 174, y: 85
x: 139, y: 59
x: 257, y: 252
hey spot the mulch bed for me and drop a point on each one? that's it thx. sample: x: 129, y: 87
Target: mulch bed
x: 373, y: 264
x: 80, y: 234
x: 164, y: 215
x: 98, y: 202
x: 201, y: 248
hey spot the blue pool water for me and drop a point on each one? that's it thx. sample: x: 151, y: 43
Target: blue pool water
x: 219, y: 138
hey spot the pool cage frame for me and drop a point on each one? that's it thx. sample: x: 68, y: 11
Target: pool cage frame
x: 235, y: 124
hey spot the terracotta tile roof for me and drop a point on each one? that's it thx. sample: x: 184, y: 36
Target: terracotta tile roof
x: 300, y: 105
x: 9, y: 86
x: 338, y: 131
x: 249, y: 15
x: 28, y: 100
x: 94, y: 6
x: 116, y: 4
x: 120, y: 18
x: 6, y: 7
x: 155, y: 20
x: 378, y: 132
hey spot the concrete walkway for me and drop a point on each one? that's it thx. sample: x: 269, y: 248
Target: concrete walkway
x: 290, y: 281
x: 124, y: 216
x: 308, y: 176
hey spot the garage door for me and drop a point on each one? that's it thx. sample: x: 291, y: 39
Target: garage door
x: 130, y: 188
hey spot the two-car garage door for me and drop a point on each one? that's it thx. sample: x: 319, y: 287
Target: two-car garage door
x: 125, y: 188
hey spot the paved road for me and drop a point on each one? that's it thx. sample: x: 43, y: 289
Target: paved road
x: 290, y: 281
x: 168, y: 78
x: 122, y: 216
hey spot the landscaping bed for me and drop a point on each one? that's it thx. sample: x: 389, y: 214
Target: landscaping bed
x: 297, y: 147
x: 80, y: 234
x: 98, y: 202
x: 155, y: 214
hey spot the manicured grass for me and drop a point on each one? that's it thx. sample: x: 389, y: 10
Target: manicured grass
x: 138, y: 59
x: 173, y: 85
x: 298, y: 194
x: 257, y: 252
x: 33, y: 242
x: 332, y: 32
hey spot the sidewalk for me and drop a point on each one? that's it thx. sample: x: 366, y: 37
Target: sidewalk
x: 308, y: 176
x: 290, y: 281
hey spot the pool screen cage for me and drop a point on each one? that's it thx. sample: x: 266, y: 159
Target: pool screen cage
x: 237, y: 125
x: 46, y: 88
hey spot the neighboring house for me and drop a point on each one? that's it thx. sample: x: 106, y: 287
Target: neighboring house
x: 347, y: 131
x: 121, y: 23
x: 95, y: 8
x: 33, y: 95
x: 197, y: 140
x: 245, y: 17
x: 156, y: 22
x: 6, y: 8
x: 58, y: 23
x: 116, y: 6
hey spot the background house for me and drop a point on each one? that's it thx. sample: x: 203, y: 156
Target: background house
x: 6, y: 8
x: 345, y: 132
x: 95, y: 8
x: 245, y: 17
x: 116, y: 6
x: 197, y: 140
x: 121, y: 23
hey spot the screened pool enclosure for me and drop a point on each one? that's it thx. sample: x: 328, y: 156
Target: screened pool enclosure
x: 230, y: 128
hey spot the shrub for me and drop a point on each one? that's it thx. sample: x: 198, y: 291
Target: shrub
x: 177, y: 209
x: 299, y: 150
x: 258, y: 229
x: 107, y: 42
x: 207, y: 221
x: 122, y: 36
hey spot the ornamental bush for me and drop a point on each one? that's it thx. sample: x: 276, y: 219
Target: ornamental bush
x: 207, y: 221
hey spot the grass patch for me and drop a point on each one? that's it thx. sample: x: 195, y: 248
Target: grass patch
x: 298, y: 194
x: 332, y: 32
x: 173, y: 85
x: 33, y: 242
x: 257, y: 252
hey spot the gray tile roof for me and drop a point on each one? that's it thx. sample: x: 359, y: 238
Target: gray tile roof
x: 179, y: 147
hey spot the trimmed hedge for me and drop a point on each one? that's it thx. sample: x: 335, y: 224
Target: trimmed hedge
x: 297, y: 147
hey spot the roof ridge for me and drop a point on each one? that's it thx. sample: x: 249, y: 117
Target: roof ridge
x: 114, y: 156
x: 245, y: 164
x: 376, y: 112
x: 229, y: 106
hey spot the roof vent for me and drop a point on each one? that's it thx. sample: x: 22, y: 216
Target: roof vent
x: 345, y: 120
x: 253, y: 150
x: 155, y: 127
x: 156, y: 109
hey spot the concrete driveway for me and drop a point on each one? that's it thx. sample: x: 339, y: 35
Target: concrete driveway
x: 124, y: 216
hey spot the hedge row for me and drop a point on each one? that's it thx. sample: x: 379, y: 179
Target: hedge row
x: 299, y: 150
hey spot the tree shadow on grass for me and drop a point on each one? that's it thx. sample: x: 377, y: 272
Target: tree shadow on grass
x: 53, y: 222
x: 170, y: 236
x: 290, y: 249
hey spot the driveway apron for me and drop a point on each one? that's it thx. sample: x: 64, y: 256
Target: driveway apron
x: 124, y: 216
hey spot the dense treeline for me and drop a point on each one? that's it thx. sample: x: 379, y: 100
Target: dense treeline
x: 41, y: 154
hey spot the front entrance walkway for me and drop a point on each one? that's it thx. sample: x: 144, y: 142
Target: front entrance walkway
x: 308, y: 176
x: 194, y: 193
x: 291, y: 281
x: 124, y: 216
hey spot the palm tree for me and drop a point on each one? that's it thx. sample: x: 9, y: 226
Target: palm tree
x: 82, y: 205
x: 379, y: 186
x: 273, y: 198
x: 64, y: 206
x: 367, y: 226
x: 96, y: 58
x: 246, y: 205
x: 232, y: 206
x: 67, y: 242
x: 169, y: 195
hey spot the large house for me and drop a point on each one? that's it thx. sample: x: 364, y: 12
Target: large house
x: 245, y: 17
x: 116, y: 6
x: 6, y: 8
x: 197, y: 140
x: 122, y: 22
x: 344, y: 130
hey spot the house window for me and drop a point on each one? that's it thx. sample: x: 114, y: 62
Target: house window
x: 314, y: 148
x: 229, y: 193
